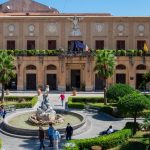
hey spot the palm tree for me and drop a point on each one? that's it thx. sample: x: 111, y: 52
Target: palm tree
x: 6, y: 70
x: 105, y: 64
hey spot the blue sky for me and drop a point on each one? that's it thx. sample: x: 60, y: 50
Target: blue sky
x: 115, y: 7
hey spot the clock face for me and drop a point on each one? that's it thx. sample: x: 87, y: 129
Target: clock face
x: 141, y: 27
x: 31, y: 28
x: 52, y: 27
x: 120, y: 27
x: 11, y: 27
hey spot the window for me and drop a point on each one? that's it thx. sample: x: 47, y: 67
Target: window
x: 120, y: 67
x: 31, y: 67
x: 140, y: 44
x: 141, y: 67
x: 99, y: 44
x: 52, y: 44
x: 51, y: 67
x: 120, y: 44
x: 11, y: 44
x: 30, y: 44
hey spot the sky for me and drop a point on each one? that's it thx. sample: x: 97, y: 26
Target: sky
x: 114, y: 7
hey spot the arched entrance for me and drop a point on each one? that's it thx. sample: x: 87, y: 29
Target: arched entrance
x: 140, y: 70
x: 51, y: 77
x: 99, y: 83
x: 31, y: 77
x: 121, y: 74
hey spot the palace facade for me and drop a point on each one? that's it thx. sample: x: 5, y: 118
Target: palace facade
x: 28, y: 25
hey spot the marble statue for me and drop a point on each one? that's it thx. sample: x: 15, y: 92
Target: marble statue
x: 45, y: 113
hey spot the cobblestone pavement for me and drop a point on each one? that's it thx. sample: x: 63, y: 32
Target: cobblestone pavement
x: 99, y: 122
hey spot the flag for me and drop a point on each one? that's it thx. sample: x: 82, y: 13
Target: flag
x: 86, y: 48
x: 145, y: 49
x: 79, y: 44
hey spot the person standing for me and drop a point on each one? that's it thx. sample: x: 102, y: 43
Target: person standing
x: 41, y: 137
x: 69, y: 131
x: 56, y: 139
x: 62, y: 98
x: 50, y: 134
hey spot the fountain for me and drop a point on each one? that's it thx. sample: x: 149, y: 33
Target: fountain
x: 25, y: 122
x: 45, y: 114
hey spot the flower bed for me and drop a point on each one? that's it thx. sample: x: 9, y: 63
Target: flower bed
x: 106, y: 141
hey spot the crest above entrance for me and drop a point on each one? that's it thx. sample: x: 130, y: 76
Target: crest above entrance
x: 75, y: 31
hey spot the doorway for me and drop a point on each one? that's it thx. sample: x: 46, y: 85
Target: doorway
x: 99, y: 83
x: 52, y: 81
x: 139, y: 79
x: 31, y: 81
x: 121, y: 78
x: 75, y: 78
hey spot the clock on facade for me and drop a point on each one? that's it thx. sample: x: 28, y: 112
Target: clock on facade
x: 31, y: 27
x: 11, y: 27
x: 120, y: 27
x: 141, y: 28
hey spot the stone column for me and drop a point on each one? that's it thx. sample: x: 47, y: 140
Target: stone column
x: 61, y: 74
x: 20, y: 74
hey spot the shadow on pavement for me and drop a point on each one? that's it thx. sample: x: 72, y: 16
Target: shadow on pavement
x: 105, y: 117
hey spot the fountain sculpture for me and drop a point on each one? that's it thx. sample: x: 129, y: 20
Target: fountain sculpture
x: 45, y: 114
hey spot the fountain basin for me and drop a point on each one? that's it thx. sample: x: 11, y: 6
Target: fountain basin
x: 16, y: 123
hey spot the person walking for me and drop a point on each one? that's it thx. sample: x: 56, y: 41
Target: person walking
x: 50, y: 134
x: 47, y: 89
x: 41, y: 137
x: 56, y: 139
x: 69, y: 131
x: 62, y: 98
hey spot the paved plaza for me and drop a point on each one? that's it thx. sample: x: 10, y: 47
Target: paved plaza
x: 96, y: 122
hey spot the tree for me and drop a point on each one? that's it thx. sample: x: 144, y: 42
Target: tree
x: 118, y: 90
x: 6, y: 70
x: 134, y: 104
x: 105, y: 65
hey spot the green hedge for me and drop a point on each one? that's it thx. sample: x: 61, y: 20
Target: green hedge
x: 106, y: 141
x: 80, y: 102
x: 88, y: 99
x: 17, y: 98
x: 25, y: 104
x: 0, y: 144
x: 134, y: 145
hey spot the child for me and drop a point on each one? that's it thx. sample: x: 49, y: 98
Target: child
x: 62, y: 97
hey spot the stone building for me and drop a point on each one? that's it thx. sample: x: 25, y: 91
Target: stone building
x: 26, y: 25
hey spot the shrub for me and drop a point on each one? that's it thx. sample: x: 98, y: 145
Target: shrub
x: 133, y: 145
x: 106, y: 141
x: 87, y: 99
x: 118, y: 90
x: 17, y: 98
x: 0, y: 144
x: 80, y: 102
x: 24, y: 104
x: 132, y: 125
